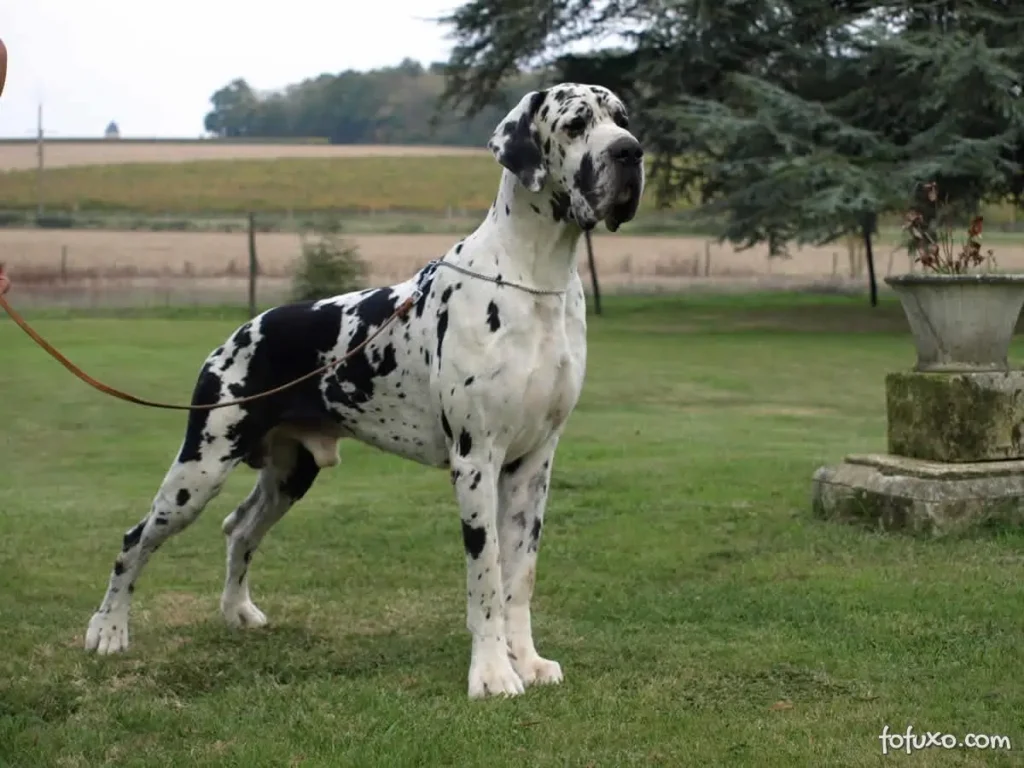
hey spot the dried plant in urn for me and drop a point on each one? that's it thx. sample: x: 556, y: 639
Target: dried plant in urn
x: 931, y: 240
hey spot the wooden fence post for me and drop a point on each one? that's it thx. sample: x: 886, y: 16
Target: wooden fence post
x: 253, y: 266
x: 868, y: 226
x: 593, y: 273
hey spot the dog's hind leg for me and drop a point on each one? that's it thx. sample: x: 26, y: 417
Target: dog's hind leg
x: 287, y: 474
x: 211, y: 448
x: 187, y: 488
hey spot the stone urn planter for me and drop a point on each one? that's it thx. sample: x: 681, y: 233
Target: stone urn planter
x: 955, y: 460
x: 961, y: 322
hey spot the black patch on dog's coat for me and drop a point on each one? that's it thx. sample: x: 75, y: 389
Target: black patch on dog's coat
x: 512, y: 467
x: 132, y: 537
x: 205, y: 392
x: 182, y: 497
x: 534, y: 535
x: 243, y: 337
x: 295, y: 339
x: 300, y: 478
x: 560, y: 206
x: 520, y: 152
x: 442, y: 329
x: 473, y: 539
x: 423, y: 284
x: 493, y: 320
x: 465, y: 443
x: 586, y: 179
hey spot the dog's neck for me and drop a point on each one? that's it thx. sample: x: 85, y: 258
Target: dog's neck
x: 533, y: 248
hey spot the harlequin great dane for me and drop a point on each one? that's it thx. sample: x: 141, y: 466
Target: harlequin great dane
x: 479, y: 377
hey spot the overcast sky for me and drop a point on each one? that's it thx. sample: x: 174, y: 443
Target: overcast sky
x: 152, y: 67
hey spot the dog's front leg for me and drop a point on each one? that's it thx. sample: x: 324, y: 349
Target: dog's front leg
x: 476, y: 488
x: 523, y: 495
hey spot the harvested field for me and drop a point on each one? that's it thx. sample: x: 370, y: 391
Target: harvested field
x: 59, y: 154
x: 171, y: 267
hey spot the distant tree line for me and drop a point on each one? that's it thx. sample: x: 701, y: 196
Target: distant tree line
x: 393, y: 105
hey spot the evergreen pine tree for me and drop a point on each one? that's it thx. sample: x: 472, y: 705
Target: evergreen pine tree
x: 786, y: 121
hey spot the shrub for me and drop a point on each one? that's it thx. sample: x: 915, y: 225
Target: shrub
x: 327, y: 266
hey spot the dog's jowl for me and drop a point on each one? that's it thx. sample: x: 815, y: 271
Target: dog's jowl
x: 478, y: 377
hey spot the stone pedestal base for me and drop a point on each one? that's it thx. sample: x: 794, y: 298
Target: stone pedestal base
x: 893, y: 493
x: 960, y: 417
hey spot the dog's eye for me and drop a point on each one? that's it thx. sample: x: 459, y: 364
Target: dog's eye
x: 621, y: 120
x: 576, y: 126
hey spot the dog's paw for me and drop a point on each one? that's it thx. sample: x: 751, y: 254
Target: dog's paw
x: 535, y: 670
x: 107, y: 633
x: 243, y: 614
x: 492, y: 675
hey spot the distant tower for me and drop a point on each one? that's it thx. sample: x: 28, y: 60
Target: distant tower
x: 112, y: 132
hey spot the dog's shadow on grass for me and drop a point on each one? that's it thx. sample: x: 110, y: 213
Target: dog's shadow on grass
x: 196, y: 659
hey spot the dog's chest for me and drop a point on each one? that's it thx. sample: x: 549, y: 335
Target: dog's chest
x: 554, y: 380
x: 542, y: 378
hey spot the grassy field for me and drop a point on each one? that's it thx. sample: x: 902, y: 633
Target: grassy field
x: 701, y: 615
x: 415, y: 183
x: 188, y: 193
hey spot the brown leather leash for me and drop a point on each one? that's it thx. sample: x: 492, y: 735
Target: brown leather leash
x: 5, y: 285
x: 3, y: 65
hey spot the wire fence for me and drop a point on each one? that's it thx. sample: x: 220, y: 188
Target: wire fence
x: 253, y: 266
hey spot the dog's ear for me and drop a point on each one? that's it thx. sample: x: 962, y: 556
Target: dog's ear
x: 514, y: 145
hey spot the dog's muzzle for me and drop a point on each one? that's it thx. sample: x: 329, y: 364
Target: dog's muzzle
x: 627, y: 158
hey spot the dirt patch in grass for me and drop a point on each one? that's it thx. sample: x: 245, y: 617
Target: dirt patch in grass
x: 788, y: 410
x: 176, y: 609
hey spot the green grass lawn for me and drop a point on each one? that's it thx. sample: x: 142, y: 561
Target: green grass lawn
x: 702, y: 617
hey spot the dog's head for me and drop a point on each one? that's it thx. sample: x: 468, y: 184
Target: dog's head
x: 574, y: 141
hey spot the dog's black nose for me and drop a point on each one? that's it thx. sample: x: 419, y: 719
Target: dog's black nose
x: 626, y: 150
